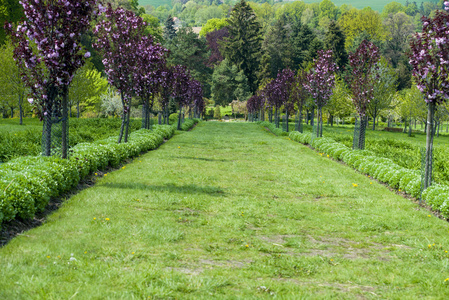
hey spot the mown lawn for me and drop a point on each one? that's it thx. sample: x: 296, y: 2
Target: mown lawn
x: 12, y: 125
x: 230, y: 211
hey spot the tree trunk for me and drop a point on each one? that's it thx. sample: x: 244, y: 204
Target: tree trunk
x: 122, y: 127
x: 128, y: 114
x: 21, y: 114
x: 179, y: 117
x: 363, y: 122
x: 321, y: 122
x: 410, y: 127
x: 312, y: 117
x: 143, y: 115
x: 64, y: 124
x: 47, y: 135
x: 276, y: 117
x: 429, y: 145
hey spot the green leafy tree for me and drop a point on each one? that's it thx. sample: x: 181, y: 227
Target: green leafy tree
x: 384, y: 90
x: 191, y: 51
x: 392, y: 8
x: 292, y: 10
x: 340, y: 103
x: 243, y: 46
x: 400, y: 28
x: 228, y: 84
x: 213, y: 24
x: 355, y: 22
x: 10, y: 11
x: 12, y: 87
x: 86, y: 89
x: 153, y: 27
x: 328, y: 10
x: 217, y: 112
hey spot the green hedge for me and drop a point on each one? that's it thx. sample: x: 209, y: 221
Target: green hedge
x: 380, y: 168
x: 188, y: 124
x: 272, y: 128
x: 29, y: 142
x: 27, y: 183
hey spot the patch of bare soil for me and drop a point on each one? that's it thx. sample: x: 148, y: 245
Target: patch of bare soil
x: 349, y: 287
x: 208, y: 264
x: 335, y: 246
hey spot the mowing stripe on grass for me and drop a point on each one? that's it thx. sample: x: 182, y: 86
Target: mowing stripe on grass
x: 229, y: 211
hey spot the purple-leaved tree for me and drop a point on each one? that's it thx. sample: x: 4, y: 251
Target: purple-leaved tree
x: 181, y: 78
x: 195, y: 95
x: 48, y: 52
x: 300, y: 95
x: 278, y: 92
x: 363, y: 62
x: 118, y: 34
x: 147, y: 80
x: 429, y: 58
x: 320, y: 83
x: 166, y: 88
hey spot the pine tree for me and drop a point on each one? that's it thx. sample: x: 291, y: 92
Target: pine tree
x: 169, y: 29
x: 243, y: 46
x: 278, y: 46
x: 301, y: 39
x: 335, y: 41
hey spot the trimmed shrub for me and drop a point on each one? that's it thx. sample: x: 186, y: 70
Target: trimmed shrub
x: 27, y: 183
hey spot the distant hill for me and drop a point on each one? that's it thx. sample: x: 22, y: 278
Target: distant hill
x: 374, y: 4
x: 154, y: 3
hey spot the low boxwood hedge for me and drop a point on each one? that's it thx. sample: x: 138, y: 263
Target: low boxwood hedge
x: 27, y: 183
x: 382, y: 169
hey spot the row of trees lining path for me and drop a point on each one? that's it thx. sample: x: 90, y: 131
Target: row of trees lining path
x: 48, y: 52
x: 429, y: 58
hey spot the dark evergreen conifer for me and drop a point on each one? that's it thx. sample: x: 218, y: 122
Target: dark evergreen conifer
x: 301, y: 39
x: 277, y: 44
x: 169, y: 29
x: 243, y: 46
x: 335, y: 41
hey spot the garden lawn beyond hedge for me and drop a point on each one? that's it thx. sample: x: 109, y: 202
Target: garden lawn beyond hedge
x: 230, y: 211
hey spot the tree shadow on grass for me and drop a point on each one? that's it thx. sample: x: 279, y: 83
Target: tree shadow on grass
x: 171, y: 188
x: 200, y: 158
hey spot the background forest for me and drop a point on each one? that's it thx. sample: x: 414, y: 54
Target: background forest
x: 285, y: 35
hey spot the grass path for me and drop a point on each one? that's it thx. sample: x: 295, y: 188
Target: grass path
x: 231, y: 211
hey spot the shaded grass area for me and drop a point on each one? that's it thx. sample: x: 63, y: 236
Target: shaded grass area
x: 229, y: 211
